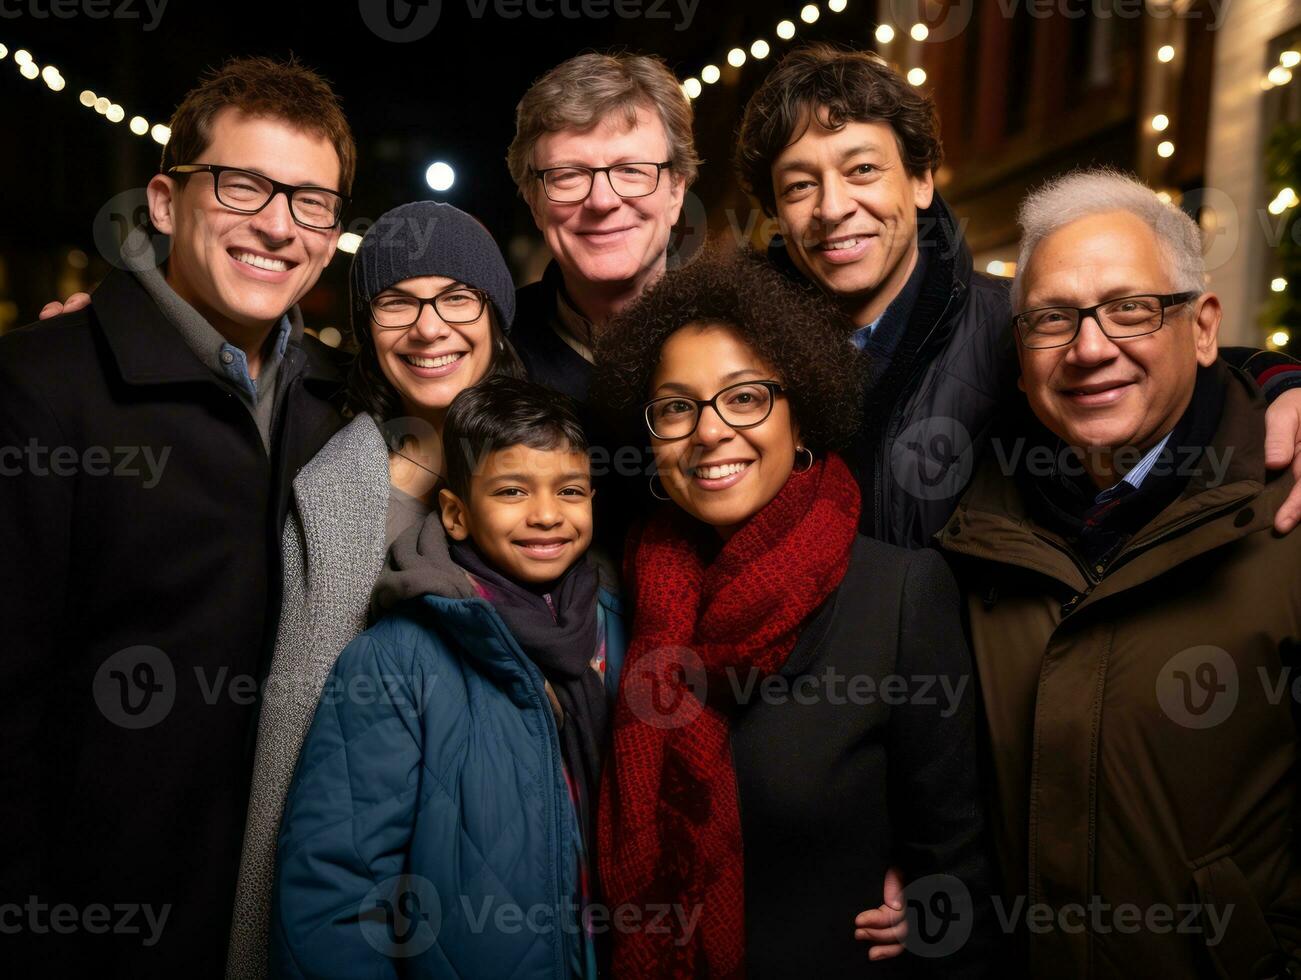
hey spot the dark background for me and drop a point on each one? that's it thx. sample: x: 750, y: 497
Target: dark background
x: 1021, y: 96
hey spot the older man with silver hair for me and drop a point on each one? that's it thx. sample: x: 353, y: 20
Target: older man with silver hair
x: 1134, y: 615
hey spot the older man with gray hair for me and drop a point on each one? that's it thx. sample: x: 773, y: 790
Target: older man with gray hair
x: 1134, y: 615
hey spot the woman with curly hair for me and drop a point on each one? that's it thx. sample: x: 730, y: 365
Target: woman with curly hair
x: 796, y: 712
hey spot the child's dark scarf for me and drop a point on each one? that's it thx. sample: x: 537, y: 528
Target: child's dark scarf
x: 669, y: 828
x: 557, y: 629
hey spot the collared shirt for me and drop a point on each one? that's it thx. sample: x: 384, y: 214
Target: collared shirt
x: 571, y: 324
x: 1135, y: 477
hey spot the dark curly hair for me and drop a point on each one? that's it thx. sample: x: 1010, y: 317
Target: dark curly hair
x: 835, y: 86
x: 791, y: 326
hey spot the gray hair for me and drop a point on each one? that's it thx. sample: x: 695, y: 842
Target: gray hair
x: 1083, y: 193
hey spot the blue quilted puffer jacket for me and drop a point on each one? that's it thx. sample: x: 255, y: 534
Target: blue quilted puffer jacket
x: 429, y: 831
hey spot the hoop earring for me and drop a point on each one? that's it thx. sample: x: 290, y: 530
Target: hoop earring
x: 808, y: 466
x: 651, y: 485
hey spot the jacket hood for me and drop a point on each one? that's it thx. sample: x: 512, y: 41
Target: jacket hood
x: 420, y: 564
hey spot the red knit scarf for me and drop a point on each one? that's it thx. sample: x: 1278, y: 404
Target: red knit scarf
x: 669, y: 827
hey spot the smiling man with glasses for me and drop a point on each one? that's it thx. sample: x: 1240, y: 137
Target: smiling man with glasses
x: 1132, y: 611
x: 603, y: 155
x: 141, y: 608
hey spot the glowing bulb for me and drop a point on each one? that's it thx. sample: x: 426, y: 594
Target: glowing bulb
x: 88, y: 98
x: 736, y: 57
x: 836, y: 6
x: 3, y: 51
x: 759, y: 49
x: 692, y: 87
x: 1160, y: 122
x: 115, y: 113
x: 919, y: 32
x: 349, y: 242
x: 160, y: 133
x: 786, y: 30
x: 1165, y: 149
x: 1278, y: 285
x: 916, y: 76
x: 101, y: 105
x: 1279, y: 75
x: 885, y: 34
x: 29, y: 70
x: 139, y: 125
x: 1165, y: 53
x: 1279, y: 338
x: 710, y: 74
x: 22, y: 57
x: 1288, y: 59
x: 810, y: 13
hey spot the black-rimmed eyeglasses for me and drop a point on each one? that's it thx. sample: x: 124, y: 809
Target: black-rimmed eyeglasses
x: 1119, y: 319
x: 569, y: 185
x: 248, y: 193
x: 455, y: 304
x: 741, y: 406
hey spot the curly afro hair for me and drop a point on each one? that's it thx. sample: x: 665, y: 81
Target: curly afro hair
x: 789, y: 325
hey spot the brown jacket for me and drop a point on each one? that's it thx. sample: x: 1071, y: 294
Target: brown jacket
x: 1140, y: 721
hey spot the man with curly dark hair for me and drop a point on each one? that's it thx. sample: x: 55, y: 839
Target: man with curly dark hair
x: 843, y: 151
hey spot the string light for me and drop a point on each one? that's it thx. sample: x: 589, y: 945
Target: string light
x: 1288, y: 59
x: 759, y: 49
x: 919, y: 32
x: 736, y: 57
x: 1165, y: 53
x: 1278, y: 285
x: 349, y: 241
x: 1278, y: 75
x: 1279, y: 338
x: 692, y: 87
x: 710, y: 74
x: 916, y: 76
x: 1165, y: 149
x: 1160, y: 122
x: 837, y: 6
x: 810, y: 13
x: 1286, y: 198
x: 884, y: 34
x: 53, y: 78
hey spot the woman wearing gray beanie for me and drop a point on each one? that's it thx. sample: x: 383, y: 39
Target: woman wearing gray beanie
x: 432, y: 303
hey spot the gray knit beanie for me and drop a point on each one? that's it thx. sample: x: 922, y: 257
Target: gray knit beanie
x: 428, y: 238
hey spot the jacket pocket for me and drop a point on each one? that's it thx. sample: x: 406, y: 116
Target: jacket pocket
x: 1238, y: 939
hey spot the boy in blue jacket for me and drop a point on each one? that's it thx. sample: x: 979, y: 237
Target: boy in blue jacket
x: 440, y: 819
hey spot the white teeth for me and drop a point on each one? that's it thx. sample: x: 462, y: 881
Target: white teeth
x: 431, y: 362
x: 718, y: 472
x: 262, y: 262
x: 840, y: 246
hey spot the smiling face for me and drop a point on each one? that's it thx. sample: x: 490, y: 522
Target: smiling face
x: 607, y: 240
x: 528, y: 512
x: 720, y: 475
x: 242, y: 272
x: 431, y: 362
x: 1101, y: 394
x: 848, y: 212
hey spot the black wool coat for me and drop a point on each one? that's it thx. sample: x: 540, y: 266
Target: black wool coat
x: 140, y: 519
